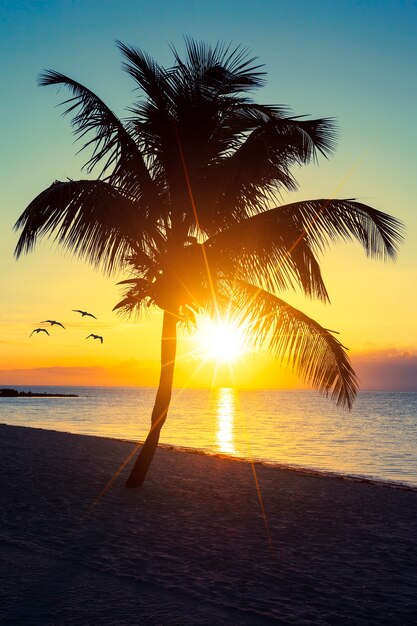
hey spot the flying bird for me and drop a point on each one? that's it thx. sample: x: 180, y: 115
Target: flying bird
x: 39, y: 330
x: 53, y: 323
x: 96, y: 337
x: 84, y: 313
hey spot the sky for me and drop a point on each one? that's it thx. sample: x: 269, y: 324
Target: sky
x: 354, y: 61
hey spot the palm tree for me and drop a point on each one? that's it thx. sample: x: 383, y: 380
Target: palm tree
x: 187, y: 197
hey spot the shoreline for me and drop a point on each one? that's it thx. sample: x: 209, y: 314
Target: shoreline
x: 298, y: 469
x: 202, y: 542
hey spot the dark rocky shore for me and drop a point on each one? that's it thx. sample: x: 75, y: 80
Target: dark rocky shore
x: 13, y: 393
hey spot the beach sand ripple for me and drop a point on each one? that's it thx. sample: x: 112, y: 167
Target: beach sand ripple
x: 194, y: 546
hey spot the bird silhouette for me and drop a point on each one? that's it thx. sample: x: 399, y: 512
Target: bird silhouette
x: 96, y: 337
x: 39, y: 330
x: 84, y: 313
x: 53, y: 323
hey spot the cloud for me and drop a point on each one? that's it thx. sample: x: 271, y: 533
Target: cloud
x: 390, y: 369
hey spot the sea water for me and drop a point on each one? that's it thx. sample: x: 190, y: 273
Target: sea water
x: 377, y: 439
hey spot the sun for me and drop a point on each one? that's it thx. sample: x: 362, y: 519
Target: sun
x: 221, y: 340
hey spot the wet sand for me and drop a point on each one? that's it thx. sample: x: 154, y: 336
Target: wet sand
x: 196, y: 545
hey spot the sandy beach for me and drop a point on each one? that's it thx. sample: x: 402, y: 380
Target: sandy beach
x: 194, y: 545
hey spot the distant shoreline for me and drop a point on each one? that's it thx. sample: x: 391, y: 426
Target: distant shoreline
x: 13, y: 393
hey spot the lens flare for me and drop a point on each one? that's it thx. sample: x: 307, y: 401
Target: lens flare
x: 221, y: 340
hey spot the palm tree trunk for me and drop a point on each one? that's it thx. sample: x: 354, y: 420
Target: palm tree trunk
x: 162, y: 400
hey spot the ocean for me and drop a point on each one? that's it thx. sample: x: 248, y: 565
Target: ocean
x: 301, y: 429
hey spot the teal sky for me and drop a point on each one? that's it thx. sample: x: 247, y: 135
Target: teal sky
x: 354, y: 61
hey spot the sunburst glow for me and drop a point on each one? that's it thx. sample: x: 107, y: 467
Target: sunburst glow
x: 221, y: 340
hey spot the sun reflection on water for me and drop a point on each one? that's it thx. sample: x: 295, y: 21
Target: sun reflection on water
x: 226, y: 412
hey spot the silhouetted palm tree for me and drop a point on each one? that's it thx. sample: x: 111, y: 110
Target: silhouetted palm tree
x: 184, y: 198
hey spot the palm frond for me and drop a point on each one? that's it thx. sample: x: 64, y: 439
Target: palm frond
x: 154, y: 124
x: 90, y: 218
x: 137, y: 295
x: 311, y: 350
x: 277, y: 248
x: 227, y: 69
x: 252, y: 149
x: 300, y: 140
x: 275, y: 256
x: 294, y: 139
x: 112, y: 144
x: 152, y: 79
x: 179, y: 123
x: 327, y: 220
